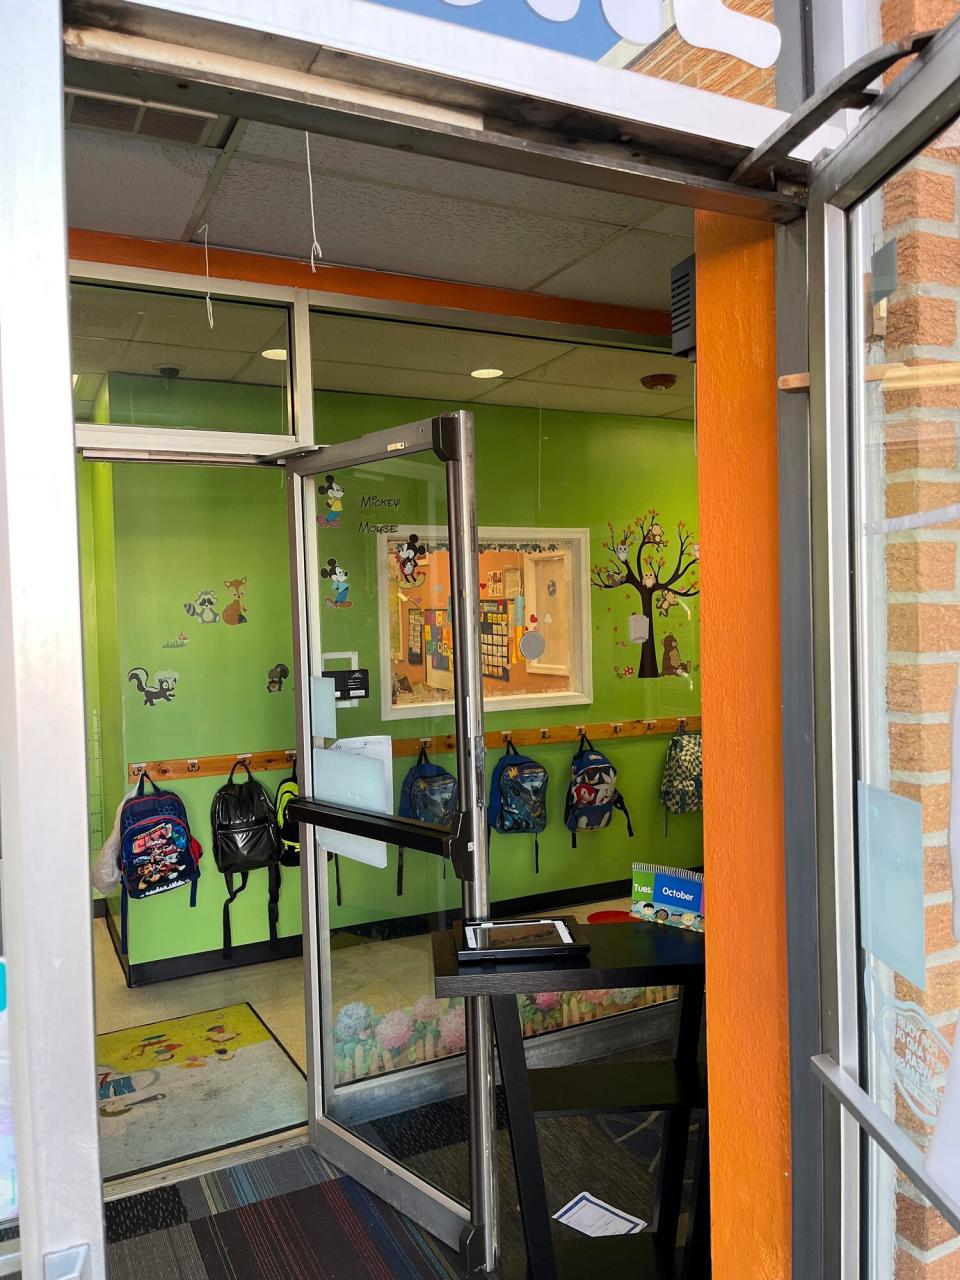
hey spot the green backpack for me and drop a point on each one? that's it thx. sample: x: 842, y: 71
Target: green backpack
x: 681, y: 790
x: 290, y: 832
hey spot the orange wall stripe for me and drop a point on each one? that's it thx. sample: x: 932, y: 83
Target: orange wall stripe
x: 358, y: 282
x: 747, y: 1034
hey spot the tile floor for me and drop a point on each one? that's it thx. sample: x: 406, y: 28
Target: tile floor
x: 385, y: 975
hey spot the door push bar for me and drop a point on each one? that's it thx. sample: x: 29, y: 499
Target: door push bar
x: 445, y: 842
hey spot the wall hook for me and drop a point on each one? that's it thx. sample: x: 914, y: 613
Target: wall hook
x: 193, y: 766
x: 506, y: 735
x: 616, y: 729
x: 544, y: 734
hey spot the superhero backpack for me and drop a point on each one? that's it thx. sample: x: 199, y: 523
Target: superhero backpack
x: 290, y: 831
x: 592, y: 795
x: 518, y: 798
x: 429, y: 794
x: 157, y: 852
x: 245, y: 839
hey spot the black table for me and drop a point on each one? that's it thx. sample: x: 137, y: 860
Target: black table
x: 621, y: 955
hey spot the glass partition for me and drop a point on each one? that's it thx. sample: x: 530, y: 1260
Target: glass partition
x: 906, y: 239
x: 589, y: 584
x: 152, y: 358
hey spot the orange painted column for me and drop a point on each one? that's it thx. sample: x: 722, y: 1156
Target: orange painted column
x: 747, y: 1037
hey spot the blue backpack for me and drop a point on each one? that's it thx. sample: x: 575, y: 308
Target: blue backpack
x: 429, y: 794
x: 518, y: 798
x: 157, y: 851
x: 592, y: 795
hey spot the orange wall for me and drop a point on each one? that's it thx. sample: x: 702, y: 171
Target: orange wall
x: 747, y: 1042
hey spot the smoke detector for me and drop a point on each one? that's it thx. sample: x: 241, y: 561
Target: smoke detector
x: 659, y: 381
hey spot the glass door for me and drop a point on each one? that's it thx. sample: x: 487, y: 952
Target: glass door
x: 401, y: 1083
x: 885, y: 243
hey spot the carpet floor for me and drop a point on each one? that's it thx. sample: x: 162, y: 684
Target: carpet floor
x: 286, y: 1217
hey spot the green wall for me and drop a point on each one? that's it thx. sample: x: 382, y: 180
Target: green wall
x: 161, y: 533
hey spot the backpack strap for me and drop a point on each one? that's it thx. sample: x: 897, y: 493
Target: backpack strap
x: 584, y: 743
x: 400, y: 871
x: 144, y: 779
x: 621, y: 804
x: 233, y: 891
x: 336, y: 872
x: 193, y: 890
x: 273, y: 903
x: 123, y: 916
x: 238, y: 765
x: 536, y: 853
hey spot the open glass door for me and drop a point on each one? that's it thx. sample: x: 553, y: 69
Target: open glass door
x: 885, y: 387
x: 372, y: 601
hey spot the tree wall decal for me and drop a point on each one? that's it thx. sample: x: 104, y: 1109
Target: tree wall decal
x: 638, y: 559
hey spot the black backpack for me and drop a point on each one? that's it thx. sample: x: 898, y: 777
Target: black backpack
x: 246, y: 838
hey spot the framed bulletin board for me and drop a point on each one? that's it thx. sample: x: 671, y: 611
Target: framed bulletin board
x: 530, y: 580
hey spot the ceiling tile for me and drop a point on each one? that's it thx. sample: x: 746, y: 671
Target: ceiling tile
x: 264, y: 208
x: 633, y: 270
x: 132, y: 186
x: 642, y: 404
x: 378, y: 381
x: 428, y: 347
x: 388, y: 166
x: 616, y: 368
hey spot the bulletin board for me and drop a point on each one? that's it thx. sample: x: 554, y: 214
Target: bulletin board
x: 519, y: 573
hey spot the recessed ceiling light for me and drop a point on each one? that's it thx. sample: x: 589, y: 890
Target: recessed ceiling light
x: 274, y: 353
x: 486, y: 373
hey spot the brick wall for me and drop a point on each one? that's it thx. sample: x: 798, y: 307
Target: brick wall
x: 918, y: 430
x: 671, y: 58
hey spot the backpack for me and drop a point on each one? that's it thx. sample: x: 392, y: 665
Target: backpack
x: 157, y: 852
x: 518, y: 798
x: 592, y: 795
x: 290, y: 831
x: 681, y: 790
x: 246, y: 838
x: 429, y: 794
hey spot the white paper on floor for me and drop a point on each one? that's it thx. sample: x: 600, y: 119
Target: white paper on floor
x: 593, y: 1217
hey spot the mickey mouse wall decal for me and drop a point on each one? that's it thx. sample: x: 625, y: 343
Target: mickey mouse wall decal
x: 337, y: 576
x: 334, y: 494
x: 409, y: 555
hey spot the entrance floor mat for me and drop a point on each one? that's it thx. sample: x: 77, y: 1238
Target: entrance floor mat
x: 184, y: 1087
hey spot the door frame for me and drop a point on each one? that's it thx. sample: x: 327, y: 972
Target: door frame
x: 923, y: 100
x: 450, y: 437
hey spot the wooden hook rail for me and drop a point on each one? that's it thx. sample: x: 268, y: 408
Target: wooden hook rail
x: 210, y: 766
x: 441, y: 744
x: 601, y: 731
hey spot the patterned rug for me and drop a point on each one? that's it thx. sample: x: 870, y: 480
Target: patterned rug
x: 180, y: 1088
x: 286, y: 1217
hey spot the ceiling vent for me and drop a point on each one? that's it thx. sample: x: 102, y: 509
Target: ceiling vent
x: 138, y: 119
x: 683, y: 307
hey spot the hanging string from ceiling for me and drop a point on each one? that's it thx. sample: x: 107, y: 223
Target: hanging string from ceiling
x: 206, y: 264
x: 315, y: 250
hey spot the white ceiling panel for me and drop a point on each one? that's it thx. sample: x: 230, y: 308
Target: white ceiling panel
x: 377, y: 381
x: 426, y: 347
x: 264, y: 208
x: 633, y: 270
x: 645, y: 404
x: 391, y: 167
x: 617, y: 369
x: 132, y: 186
